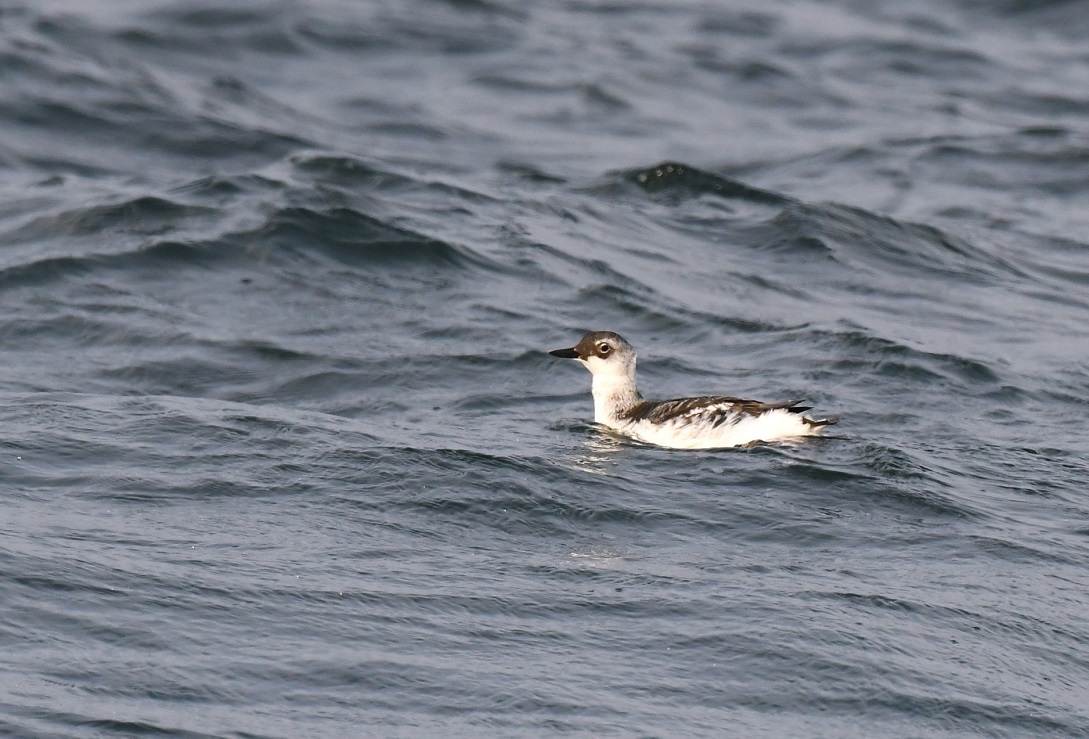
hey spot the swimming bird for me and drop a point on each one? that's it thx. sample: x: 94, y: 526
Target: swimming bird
x: 705, y: 422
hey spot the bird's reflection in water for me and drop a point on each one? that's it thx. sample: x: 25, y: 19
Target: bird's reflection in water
x: 602, y: 447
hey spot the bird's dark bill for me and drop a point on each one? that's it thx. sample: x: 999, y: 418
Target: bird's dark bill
x: 565, y: 353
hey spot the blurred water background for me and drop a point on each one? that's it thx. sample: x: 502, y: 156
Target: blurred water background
x: 283, y: 454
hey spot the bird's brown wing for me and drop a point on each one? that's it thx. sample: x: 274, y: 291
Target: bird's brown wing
x: 716, y: 409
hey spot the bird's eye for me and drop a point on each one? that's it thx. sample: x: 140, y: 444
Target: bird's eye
x: 603, y: 349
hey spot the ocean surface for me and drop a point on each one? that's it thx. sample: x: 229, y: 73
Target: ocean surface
x: 283, y: 453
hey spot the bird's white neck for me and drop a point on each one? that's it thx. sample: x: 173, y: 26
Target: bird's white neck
x: 613, y: 394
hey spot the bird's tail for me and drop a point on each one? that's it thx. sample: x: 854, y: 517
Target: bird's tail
x: 815, y: 423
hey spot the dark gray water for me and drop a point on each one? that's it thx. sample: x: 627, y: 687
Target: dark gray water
x: 283, y: 454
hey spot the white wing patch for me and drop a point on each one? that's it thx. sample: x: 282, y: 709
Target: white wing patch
x: 721, y: 425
